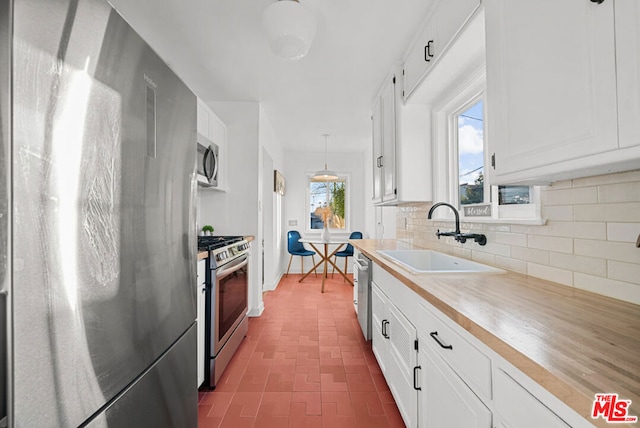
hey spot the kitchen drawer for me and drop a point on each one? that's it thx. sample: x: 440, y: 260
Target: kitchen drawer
x: 517, y: 407
x: 473, y: 367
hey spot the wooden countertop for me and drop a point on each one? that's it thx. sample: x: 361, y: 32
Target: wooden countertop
x: 572, y: 342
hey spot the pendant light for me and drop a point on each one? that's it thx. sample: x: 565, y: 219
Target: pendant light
x: 290, y: 28
x: 325, y: 174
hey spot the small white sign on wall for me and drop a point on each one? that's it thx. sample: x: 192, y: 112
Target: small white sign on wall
x: 477, y: 211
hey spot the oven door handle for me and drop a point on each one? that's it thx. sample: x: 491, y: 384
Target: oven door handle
x: 231, y: 267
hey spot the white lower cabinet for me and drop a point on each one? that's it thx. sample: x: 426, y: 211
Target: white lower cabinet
x: 516, y: 407
x: 402, y: 335
x: 379, y: 319
x: 393, y: 344
x: 442, y: 376
x: 444, y: 400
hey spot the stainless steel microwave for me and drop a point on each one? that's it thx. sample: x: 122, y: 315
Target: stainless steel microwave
x: 207, y: 162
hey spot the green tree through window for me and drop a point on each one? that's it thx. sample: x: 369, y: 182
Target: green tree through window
x: 327, y: 204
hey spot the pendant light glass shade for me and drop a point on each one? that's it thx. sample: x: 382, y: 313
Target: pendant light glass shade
x: 325, y: 174
x: 290, y: 28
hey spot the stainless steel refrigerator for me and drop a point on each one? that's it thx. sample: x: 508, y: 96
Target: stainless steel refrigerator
x: 97, y: 198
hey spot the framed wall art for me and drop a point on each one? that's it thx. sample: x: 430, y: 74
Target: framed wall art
x: 278, y: 182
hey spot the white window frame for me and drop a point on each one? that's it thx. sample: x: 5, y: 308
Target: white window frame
x: 347, y: 204
x: 448, y: 106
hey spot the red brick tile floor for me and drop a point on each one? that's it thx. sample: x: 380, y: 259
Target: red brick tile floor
x: 304, y: 363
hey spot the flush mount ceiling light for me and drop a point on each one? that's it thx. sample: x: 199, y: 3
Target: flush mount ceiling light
x: 325, y: 174
x: 290, y: 28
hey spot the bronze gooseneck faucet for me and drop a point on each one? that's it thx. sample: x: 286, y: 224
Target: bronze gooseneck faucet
x: 457, y: 235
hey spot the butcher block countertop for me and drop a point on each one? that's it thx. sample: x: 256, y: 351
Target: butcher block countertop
x: 572, y: 342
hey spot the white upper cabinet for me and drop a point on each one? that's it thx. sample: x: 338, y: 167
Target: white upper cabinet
x: 552, y: 88
x: 388, y: 159
x: 446, y: 19
x: 202, y: 115
x: 214, y: 129
x: 376, y: 132
x: 210, y: 125
x: 627, y: 18
x: 401, y: 147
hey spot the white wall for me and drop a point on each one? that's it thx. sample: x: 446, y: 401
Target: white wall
x: 236, y: 212
x: 251, y: 144
x: 297, y: 167
x: 369, y: 213
x: 274, y: 245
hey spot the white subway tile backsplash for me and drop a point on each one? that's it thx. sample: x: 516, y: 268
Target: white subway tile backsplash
x: 623, y: 177
x: 530, y: 230
x: 608, y: 287
x: 566, y: 184
x: 491, y: 248
x: 573, y: 196
x: 590, y: 265
x: 627, y: 272
x: 618, y: 212
x: 511, y: 264
x: 620, y: 192
x: 588, y: 241
x: 623, y: 232
x: 530, y: 255
x: 558, y: 212
x: 549, y: 273
x: 518, y: 239
x: 587, y: 230
x: 485, y: 258
x: 551, y: 243
x: 493, y: 227
x: 617, y: 251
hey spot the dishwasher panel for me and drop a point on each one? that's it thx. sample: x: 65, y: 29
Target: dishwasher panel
x: 364, y: 294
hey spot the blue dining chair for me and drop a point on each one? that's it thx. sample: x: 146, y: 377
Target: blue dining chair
x: 295, y: 248
x: 347, y: 252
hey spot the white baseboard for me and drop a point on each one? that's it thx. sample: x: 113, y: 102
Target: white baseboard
x: 272, y: 286
x: 256, y: 312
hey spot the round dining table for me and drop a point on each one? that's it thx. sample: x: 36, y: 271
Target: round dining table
x: 326, y: 256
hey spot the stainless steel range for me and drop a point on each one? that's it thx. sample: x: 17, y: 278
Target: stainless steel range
x: 227, y: 280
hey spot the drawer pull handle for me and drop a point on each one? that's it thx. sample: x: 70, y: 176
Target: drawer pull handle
x: 434, y: 334
x: 415, y: 378
x: 427, y: 51
x: 384, y: 328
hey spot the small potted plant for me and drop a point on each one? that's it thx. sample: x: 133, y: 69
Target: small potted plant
x: 207, y: 230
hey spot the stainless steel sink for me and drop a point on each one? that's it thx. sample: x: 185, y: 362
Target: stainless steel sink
x: 428, y: 261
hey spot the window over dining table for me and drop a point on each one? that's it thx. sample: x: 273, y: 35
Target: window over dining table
x: 327, y: 203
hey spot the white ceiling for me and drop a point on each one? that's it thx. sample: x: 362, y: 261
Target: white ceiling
x: 219, y: 49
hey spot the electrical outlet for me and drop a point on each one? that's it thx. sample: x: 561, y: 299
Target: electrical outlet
x: 293, y: 222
